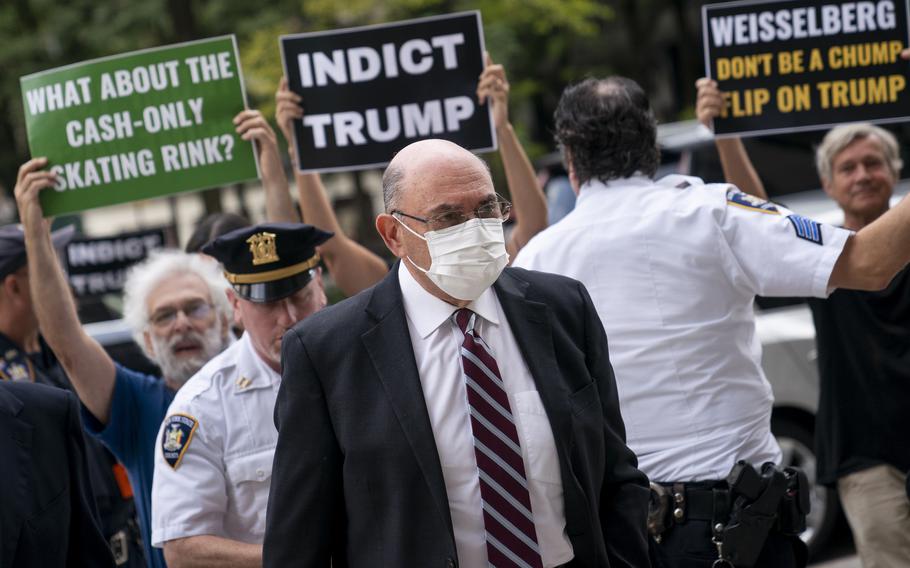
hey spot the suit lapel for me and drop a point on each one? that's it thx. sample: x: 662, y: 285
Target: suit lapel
x: 388, y: 344
x: 15, y: 444
x: 530, y: 324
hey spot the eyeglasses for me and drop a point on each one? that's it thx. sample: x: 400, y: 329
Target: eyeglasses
x: 195, y: 310
x: 498, y: 208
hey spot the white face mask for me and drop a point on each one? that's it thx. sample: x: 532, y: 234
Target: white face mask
x: 465, y: 259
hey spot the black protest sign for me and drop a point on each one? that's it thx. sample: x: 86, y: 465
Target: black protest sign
x: 368, y: 92
x: 99, y: 266
x: 806, y: 65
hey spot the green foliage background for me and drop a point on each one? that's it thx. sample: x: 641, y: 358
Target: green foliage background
x: 544, y: 44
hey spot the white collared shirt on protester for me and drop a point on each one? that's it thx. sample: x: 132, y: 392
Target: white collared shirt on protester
x: 437, y: 341
x: 673, y: 269
x: 221, y: 484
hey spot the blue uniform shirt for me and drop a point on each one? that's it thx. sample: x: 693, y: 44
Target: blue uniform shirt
x: 138, y: 407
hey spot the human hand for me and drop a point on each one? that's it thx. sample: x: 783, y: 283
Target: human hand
x: 287, y: 109
x: 494, y: 85
x: 251, y: 125
x: 709, y: 102
x: 906, y: 53
x: 29, y: 183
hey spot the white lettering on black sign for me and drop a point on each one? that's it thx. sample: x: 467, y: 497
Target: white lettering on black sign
x: 370, y: 91
x: 99, y: 266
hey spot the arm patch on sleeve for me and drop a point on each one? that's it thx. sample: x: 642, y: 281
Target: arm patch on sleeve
x: 737, y: 198
x: 806, y: 229
x: 176, y: 437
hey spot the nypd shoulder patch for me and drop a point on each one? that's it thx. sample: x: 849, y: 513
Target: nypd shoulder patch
x: 15, y: 366
x: 737, y: 198
x: 176, y: 437
x: 806, y: 228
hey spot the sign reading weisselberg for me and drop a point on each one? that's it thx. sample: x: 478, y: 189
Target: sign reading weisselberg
x: 139, y: 125
x: 368, y: 92
x: 804, y: 65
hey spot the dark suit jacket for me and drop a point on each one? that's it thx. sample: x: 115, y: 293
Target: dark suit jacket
x: 47, y: 510
x: 357, y: 477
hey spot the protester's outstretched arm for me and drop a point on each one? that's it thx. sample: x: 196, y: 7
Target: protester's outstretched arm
x: 875, y: 254
x: 528, y: 200
x: 88, y: 366
x: 738, y: 168
x: 252, y: 126
x: 353, y: 267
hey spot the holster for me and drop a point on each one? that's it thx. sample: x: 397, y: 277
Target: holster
x: 658, y: 511
x: 754, y: 511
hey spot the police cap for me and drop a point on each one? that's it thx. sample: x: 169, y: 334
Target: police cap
x: 269, y: 261
x: 12, y: 246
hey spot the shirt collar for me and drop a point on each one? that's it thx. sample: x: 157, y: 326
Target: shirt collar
x: 427, y: 312
x: 595, y: 186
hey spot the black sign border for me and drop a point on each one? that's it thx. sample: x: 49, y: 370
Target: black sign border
x: 770, y: 131
x: 400, y: 23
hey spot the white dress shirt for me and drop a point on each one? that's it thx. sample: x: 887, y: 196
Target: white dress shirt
x: 437, y: 349
x: 673, y: 267
x: 220, y: 486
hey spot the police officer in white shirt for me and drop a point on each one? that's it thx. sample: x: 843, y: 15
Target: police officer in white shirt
x: 214, y: 461
x: 673, y: 267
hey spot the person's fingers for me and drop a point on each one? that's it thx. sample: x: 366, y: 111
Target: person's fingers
x: 709, y: 98
x: 30, y: 166
x: 487, y: 60
x: 287, y: 95
x: 283, y: 84
x: 246, y: 115
x: 492, y: 83
x: 257, y: 133
x: 34, y: 182
x: 705, y: 82
x: 250, y: 121
x: 286, y: 109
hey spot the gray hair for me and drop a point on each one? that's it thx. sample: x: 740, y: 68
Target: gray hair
x: 392, y: 180
x: 146, y: 276
x: 842, y: 136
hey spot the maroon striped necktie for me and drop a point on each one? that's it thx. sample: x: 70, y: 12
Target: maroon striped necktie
x: 507, y: 517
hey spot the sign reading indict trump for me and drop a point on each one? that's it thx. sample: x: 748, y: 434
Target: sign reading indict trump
x: 99, y: 266
x: 139, y: 125
x: 370, y: 91
x: 795, y: 65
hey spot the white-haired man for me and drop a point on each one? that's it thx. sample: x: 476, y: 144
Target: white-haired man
x: 863, y: 341
x: 179, y: 313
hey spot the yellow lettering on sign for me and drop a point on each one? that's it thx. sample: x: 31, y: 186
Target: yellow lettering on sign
x: 858, y: 92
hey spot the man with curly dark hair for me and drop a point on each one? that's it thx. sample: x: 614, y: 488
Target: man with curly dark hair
x: 673, y: 267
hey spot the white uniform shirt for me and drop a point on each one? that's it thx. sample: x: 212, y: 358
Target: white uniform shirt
x: 220, y: 434
x: 673, y: 267
x: 437, y: 349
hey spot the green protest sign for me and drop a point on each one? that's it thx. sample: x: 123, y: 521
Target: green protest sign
x: 139, y: 125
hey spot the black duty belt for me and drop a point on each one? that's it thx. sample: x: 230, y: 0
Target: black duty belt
x: 678, y: 503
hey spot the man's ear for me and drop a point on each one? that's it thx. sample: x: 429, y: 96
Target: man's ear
x: 234, y: 300
x: 149, y: 346
x: 391, y: 232
x: 826, y: 185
